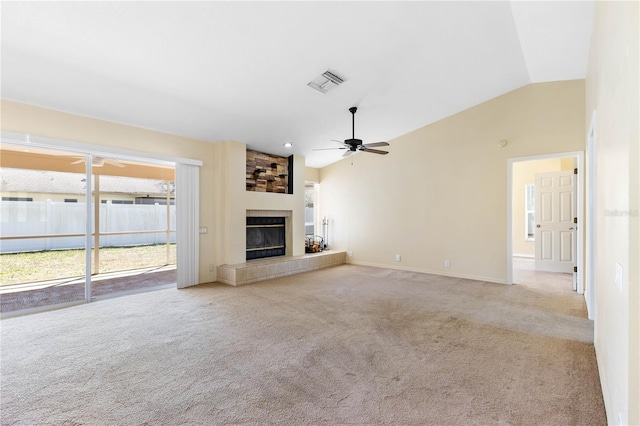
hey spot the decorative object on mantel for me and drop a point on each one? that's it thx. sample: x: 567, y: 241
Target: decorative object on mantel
x: 269, y: 173
x: 354, y: 145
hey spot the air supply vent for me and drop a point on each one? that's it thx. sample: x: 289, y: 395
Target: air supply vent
x: 325, y: 82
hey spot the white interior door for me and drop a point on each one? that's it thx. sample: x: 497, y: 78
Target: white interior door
x: 554, y: 213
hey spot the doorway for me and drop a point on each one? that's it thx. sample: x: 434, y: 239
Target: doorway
x: 525, y: 240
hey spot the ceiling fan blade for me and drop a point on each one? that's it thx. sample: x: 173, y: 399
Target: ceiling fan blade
x: 346, y: 145
x: 348, y: 153
x: 327, y: 149
x: 375, y: 151
x: 371, y: 145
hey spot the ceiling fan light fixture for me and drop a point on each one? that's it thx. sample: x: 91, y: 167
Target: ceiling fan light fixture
x: 325, y: 82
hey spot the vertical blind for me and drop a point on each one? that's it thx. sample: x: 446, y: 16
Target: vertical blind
x: 188, y: 224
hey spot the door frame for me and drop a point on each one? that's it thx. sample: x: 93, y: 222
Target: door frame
x: 590, y: 223
x: 578, y: 157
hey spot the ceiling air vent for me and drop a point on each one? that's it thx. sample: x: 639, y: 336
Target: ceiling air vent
x: 325, y: 82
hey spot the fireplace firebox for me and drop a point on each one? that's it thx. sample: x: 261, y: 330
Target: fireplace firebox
x: 265, y: 237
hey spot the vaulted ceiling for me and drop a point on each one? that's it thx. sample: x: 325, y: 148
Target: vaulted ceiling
x: 239, y: 70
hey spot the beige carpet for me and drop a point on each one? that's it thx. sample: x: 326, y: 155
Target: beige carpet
x: 525, y: 273
x: 344, y: 345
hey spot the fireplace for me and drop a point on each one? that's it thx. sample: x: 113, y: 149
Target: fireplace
x: 266, y: 237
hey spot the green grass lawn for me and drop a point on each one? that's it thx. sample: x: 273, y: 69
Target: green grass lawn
x: 48, y: 265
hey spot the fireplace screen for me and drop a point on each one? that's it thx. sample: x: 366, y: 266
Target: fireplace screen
x: 265, y: 237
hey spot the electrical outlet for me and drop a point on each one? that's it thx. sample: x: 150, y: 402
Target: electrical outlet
x: 350, y: 253
x: 211, y: 267
x: 397, y: 258
x: 447, y: 264
x: 204, y: 230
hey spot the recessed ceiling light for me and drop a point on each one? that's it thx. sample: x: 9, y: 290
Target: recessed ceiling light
x: 287, y: 145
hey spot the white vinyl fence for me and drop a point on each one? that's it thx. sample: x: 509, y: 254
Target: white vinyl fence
x: 33, y: 218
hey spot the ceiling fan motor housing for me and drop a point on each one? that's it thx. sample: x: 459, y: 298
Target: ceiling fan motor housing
x: 353, y: 143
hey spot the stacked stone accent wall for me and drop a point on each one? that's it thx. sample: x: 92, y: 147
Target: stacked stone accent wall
x: 266, y: 172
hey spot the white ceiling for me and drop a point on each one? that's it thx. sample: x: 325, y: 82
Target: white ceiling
x: 238, y: 70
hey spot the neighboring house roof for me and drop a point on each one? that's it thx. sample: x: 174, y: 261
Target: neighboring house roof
x: 22, y: 180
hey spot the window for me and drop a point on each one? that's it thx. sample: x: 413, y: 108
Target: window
x: 309, y: 208
x: 529, y: 212
x: 153, y: 200
x: 120, y: 202
x: 17, y: 199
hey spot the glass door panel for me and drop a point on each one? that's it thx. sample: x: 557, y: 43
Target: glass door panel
x: 136, y: 223
x: 42, y: 228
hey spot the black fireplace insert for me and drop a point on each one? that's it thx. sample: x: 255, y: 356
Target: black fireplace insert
x: 265, y: 237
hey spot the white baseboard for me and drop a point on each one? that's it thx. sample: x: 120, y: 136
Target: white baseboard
x: 432, y: 272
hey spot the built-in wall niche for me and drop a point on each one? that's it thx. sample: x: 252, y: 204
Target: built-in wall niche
x: 269, y: 173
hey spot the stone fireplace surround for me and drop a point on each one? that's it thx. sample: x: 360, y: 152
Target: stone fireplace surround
x: 274, y: 267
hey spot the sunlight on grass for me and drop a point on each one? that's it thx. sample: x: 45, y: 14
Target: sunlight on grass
x: 55, y: 264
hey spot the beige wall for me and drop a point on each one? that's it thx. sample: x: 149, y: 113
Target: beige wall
x: 223, y: 198
x: 312, y: 174
x: 524, y: 173
x: 441, y: 193
x: 612, y: 92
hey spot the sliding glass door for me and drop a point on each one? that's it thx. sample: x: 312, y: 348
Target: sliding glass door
x: 47, y: 226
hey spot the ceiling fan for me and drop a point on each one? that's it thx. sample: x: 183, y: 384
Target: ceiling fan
x: 99, y: 162
x: 353, y: 145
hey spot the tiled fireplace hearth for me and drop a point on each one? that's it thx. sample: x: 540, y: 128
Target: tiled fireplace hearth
x: 281, y: 264
x: 275, y: 267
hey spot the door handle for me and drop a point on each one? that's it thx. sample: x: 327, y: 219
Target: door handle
x: 571, y: 229
x: 537, y: 226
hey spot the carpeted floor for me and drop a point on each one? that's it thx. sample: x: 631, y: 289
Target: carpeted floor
x: 343, y: 345
x: 524, y: 273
